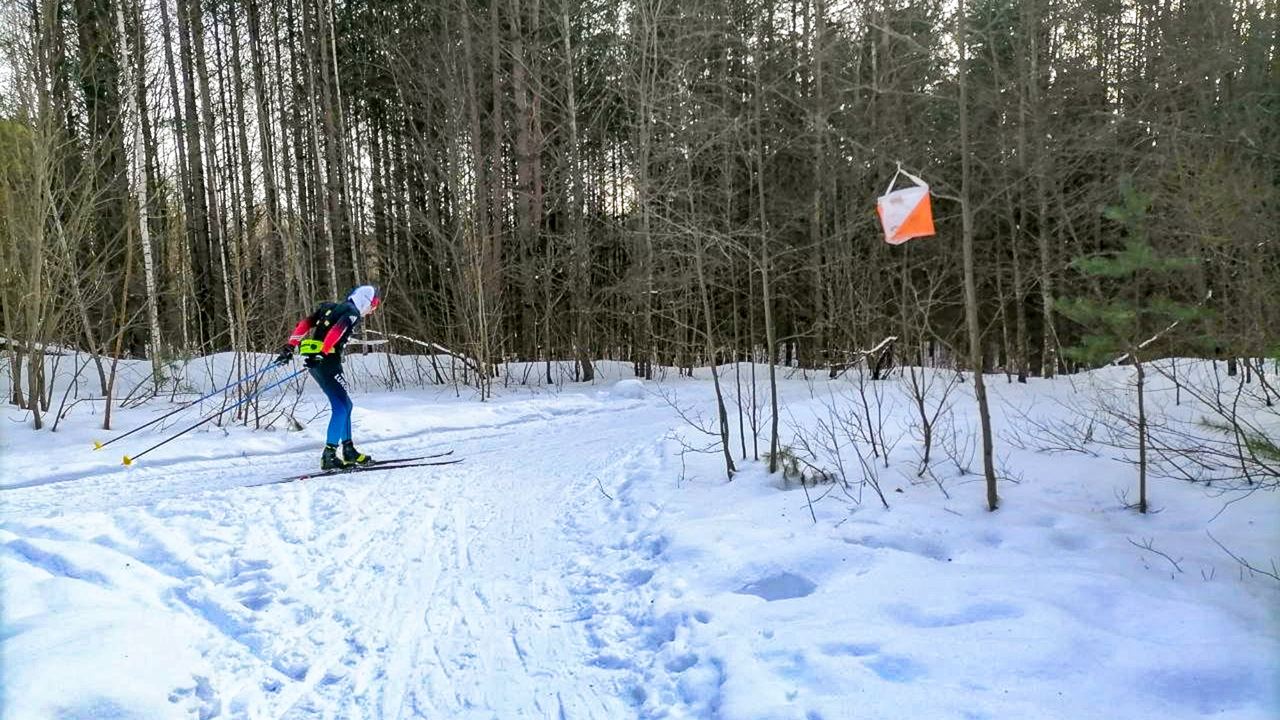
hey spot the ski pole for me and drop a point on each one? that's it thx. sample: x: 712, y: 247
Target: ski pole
x: 99, y: 445
x: 129, y: 460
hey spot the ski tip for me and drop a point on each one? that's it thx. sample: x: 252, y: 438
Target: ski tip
x: 128, y: 460
x: 97, y: 445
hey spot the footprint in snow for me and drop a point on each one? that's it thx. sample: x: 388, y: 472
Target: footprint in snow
x: 1071, y: 541
x: 206, y: 702
x: 1208, y: 689
x: 254, y: 586
x: 681, y: 663
x: 896, y: 668
x: 850, y: 649
x: 893, y: 668
x: 293, y: 665
x: 783, y: 586
x: 638, y: 577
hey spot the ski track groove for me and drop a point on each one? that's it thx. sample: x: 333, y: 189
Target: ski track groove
x: 151, y: 482
x: 339, y: 575
x: 458, y: 621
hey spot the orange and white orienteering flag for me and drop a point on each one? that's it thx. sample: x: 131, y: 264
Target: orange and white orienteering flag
x: 905, y: 213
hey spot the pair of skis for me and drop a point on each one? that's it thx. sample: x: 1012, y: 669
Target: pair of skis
x: 441, y: 458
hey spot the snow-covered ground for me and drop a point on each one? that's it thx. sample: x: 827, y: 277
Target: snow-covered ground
x: 579, y: 564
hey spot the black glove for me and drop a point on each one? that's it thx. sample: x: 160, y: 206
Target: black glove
x: 286, y: 354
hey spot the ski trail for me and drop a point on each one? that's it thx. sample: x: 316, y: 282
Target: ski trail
x: 102, y: 484
x: 445, y: 591
x: 474, y: 592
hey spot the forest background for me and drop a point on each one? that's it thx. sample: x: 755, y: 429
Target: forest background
x: 665, y: 182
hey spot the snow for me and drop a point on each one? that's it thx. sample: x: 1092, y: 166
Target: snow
x: 582, y: 563
x: 630, y: 388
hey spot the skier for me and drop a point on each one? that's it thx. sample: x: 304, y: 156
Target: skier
x: 329, y: 326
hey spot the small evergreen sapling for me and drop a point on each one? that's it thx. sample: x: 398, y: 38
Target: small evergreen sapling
x: 1130, y: 309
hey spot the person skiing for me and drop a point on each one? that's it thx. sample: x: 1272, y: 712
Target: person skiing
x: 328, y: 328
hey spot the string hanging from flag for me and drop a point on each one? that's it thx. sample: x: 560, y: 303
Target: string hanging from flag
x: 905, y: 213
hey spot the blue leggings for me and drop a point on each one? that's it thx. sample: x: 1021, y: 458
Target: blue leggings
x: 329, y: 378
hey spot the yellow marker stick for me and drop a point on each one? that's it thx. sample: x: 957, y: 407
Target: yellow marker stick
x: 128, y: 460
x: 97, y: 445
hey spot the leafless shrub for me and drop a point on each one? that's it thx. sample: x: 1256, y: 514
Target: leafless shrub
x: 749, y: 398
x: 1235, y: 442
x: 63, y: 408
x: 695, y: 420
x: 1147, y: 544
x: 931, y: 396
x: 959, y: 444
x: 1222, y: 440
x: 1005, y: 469
x: 1072, y: 431
x: 1273, y: 573
x: 874, y: 409
x: 828, y: 448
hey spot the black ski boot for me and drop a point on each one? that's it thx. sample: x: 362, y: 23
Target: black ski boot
x: 329, y: 460
x: 352, y: 456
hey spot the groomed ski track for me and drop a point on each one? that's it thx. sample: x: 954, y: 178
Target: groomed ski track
x: 454, y: 591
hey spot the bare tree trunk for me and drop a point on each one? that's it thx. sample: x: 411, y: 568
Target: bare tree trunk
x: 645, y: 100
x: 1019, y: 309
x: 239, y: 94
x: 122, y: 321
x: 1004, y: 326
x: 339, y: 150
x: 35, y: 304
x: 338, y: 223
x: 217, y: 225
x: 581, y: 274
x: 1049, y: 347
x: 35, y: 384
x: 325, y: 208
x: 737, y: 376
x: 1142, y: 434
x: 524, y: 160
x: 712, y: 361
x: 766, y: 290
x: 292, y: 234
x: 497, y: 135
x: 229, y: 238
x: 207, y: 279
x: 819, y: 122
x: 475, y: 242
x: 754, y: 415
x: 970, y: 286
x: 262, y: 95
x: 140, y: 190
